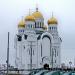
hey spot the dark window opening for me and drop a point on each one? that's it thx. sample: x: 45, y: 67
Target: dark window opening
x: 31, y: 26
x: 24, y: 47
x: 41, y: 50
x: 35, y: 24
x: 40, y: 25
x: 50, y: 28
x: 25, y: 36
x: 38, y: 38
x: 19, y: 37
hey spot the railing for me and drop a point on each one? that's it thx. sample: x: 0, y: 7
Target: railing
x: 16, y: 71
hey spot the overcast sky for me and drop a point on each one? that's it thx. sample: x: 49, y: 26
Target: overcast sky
x: 11, y: 12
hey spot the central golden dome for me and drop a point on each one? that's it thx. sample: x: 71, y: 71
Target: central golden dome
x: 21, y: 24
x: 29, y: 18
x: 37, y: 14
x: 52, y: 20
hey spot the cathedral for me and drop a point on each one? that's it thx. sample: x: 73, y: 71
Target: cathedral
x: 37, y: 44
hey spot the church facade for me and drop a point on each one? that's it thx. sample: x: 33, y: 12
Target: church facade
x: 37, y: 44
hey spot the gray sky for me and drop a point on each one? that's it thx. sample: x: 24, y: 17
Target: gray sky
x: 11, y: 12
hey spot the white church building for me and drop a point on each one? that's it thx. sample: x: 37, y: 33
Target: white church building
x: 37, y: 44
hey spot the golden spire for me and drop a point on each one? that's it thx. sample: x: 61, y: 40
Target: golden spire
x: 52, y: 14
x: 22, y: 18
x: 37, y: 14
x: 29, y: 11
x: 36, y: 7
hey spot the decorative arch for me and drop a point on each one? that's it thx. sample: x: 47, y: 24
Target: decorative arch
x: 49, y: 36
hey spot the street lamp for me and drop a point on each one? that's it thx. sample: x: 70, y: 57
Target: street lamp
x: 7, y: 61
x: 70, y: 63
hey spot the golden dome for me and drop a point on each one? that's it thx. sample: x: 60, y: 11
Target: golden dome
x: 52, y: 20
x: 37, y: 14
x: 30, y: 18
x: 45, y: 27
x: 21, y: 24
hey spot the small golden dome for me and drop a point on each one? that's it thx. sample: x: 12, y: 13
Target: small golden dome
x: 52, y: 20
x: 30, y: 18
x: 45, y: 27
x: 21, y: 24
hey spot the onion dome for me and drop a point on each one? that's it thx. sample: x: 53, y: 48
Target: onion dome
x: 37, y: 14
x: 45, y: 27
x: 21, y: 24
x: 29, y: 18
x: 52, y: 20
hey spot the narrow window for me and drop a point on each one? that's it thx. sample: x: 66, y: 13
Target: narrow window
x: 31, y: 25
x: 41, y: 50
x: 55, y: 52
x: 33, y: 52
x: 55, y: 61
x: 25, y: 36
x: 35, y: 24
x: 40, y: 25
x: 23, y: 30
